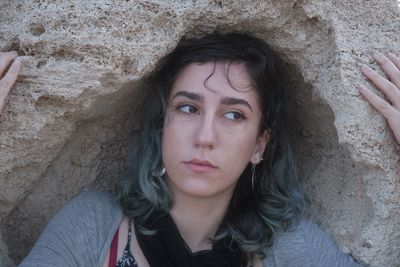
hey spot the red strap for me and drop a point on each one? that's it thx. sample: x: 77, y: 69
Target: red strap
x: 114, y: 250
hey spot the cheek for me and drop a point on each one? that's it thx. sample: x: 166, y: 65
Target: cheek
x: 242, y: 139
x: 174, y: 141
x: 168, y: 142
x: 242, y: 152
x: 237, y: 153
x: 168, y: 132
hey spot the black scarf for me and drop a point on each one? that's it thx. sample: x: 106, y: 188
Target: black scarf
x: 166, y: 248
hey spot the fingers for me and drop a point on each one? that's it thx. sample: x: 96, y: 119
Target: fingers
x: 378, y: 103
x: 391, y: 114
x: 5, y: 60
x: 10, y: 77
x: 391, y: 69
x: 389, y: 88
x: 395, y: 59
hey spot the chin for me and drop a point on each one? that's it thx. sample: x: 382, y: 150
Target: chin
x: 198, y: 188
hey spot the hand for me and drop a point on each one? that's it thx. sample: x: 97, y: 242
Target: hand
x: 10, y: 76
x: 390, y: 88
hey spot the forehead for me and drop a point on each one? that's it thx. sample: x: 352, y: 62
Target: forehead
x: 223, y: 79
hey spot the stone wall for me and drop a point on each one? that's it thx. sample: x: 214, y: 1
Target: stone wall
x: 68, y: 122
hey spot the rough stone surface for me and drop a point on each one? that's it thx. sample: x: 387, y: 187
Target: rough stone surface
x: 68, y: 121
x: 5, y: 261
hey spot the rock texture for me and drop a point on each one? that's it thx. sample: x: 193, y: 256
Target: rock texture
x: 68, y: 122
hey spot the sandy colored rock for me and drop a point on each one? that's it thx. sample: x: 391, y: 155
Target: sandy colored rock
x: 67, y: 124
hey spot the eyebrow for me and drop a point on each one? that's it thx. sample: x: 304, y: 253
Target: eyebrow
x: 225, y: 101
x: 235, y: 101
x: 189, y: 95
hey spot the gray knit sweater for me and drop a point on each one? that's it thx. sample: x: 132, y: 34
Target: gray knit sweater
x: 81, y: 233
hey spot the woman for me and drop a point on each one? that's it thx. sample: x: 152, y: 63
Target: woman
x: 228, y: 195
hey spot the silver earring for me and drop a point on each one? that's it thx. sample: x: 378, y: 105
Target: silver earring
x: 158, y: 174
x: 253, y: 175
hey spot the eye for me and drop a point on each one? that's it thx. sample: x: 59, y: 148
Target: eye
x: 186, y: 108
x: 234, y: 116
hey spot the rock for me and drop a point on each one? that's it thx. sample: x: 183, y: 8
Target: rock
x: 5, y: 261
x: 67, y: 124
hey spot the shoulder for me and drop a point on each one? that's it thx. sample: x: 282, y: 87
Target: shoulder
x: 90, y: 209
x: 80, y: 233
x: 92, y: 203
x: 306, y: 245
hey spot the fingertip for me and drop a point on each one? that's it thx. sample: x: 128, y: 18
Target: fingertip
x: 391, y: 55
x: 376, y: 54
x: 365, y: 68
x: 19, y: 64
x: 361, y: 88
x: 12, y: 54
x: 16, y: 65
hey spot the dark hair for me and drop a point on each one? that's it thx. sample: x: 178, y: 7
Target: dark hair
x: 254, y: 215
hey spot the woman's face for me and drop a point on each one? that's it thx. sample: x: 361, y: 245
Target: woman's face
x: 211, y: 130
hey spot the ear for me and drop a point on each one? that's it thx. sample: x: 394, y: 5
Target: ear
x: 259, y: 148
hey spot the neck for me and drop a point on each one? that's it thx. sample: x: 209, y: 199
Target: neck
x: 198, y: 219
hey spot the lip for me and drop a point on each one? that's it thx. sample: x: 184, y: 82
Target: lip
x: 199, y: 166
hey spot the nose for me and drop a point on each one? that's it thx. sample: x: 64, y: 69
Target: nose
x: 205, y: 135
